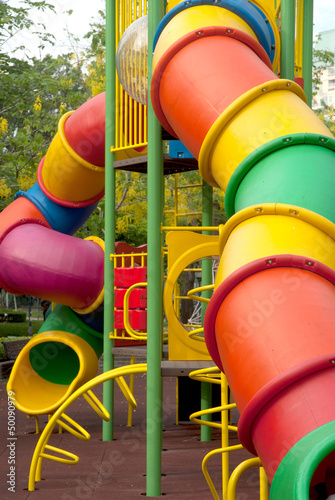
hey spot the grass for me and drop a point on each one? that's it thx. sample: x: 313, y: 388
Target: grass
x: 19, y: 330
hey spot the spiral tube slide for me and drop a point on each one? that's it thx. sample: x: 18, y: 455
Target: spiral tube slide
x: 271, y: 320
x: 39, y: 256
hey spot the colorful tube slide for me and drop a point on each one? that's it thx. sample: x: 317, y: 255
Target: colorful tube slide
x: 40, y: 257
x: 270, y: 324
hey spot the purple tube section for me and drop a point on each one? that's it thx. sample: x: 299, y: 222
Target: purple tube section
x: 38, y: 261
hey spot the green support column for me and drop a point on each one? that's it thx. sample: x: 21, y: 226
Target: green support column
x: 307, y: 58
x: 206, y: 279
x: 155, y: 307
x: 287, y: 35
x: 108, y: 387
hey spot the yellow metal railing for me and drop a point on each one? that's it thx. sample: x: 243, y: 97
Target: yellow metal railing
x: 120, y: 260
x: 197, y: 333
x: 175, y: 212
x: 193, y: 229
x: 67, y: 423
x: 229, y: 482
x: 129, y: 329
x: 131, y: 116
x: 237, y: 473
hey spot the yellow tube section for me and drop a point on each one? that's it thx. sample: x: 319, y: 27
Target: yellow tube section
x: 264, y: 113
x: 47, y: 396
x: 66, y: 175
x: 268, y: 230
x: 190, y: 20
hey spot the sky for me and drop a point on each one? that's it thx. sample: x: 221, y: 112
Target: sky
x: 85, y: 10
x: 324, y: 15
x: 77, y: 23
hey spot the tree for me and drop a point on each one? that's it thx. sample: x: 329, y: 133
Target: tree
x: 38, y: 92
x: 322, y: 60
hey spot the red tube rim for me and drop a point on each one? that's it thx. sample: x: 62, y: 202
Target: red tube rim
x: 64, y: 203
x: 273, y: 388
x: 185, y: 40
x: 244, y: 272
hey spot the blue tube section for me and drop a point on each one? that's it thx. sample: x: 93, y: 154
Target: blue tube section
x: 65, y: 220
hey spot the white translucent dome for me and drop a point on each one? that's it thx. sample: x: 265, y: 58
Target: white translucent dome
x: 132, y: 60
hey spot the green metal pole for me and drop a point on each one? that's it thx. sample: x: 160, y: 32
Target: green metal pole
x: 154, y: 304
x: 108, y: 387
x: 206, y: 279
x: 307, y: 55
x: 287, y: 39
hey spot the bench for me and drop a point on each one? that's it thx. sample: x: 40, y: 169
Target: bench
x: 12, y: 350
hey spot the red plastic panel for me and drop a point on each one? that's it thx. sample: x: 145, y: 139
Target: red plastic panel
x: 126, y: 276
x: 137, y: 298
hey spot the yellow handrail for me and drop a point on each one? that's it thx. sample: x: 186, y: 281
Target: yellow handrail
x: 130, y: 118
x: 114, y: 257
x: 191, y: 293
x: 76, y: 430
x: 218, y: 451
x: 211, y: 375
x: 72, y: 458
x: 194, y: 228
x: 129, y: 329
x: 194, y: 417
x: 131, y: 387
x: 97, y: 406
x: 195, y: 334
x: 126, y: 391
x: 39, y: 454
x: 236, y: 474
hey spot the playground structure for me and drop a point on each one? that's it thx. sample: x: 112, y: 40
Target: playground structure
x: 269, y: 326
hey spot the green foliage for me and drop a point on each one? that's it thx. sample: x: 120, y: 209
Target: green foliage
x: 38, y: 92
x: 321, y: 60
x: 2, y: 352
x: 190, y: 200
x: 10, y: 316
x: 19, y: 329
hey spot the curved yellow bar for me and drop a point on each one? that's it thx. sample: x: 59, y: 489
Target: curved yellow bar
x: 71, y: 458
x: 100, y: 298
x: 73, y: 427
x: 66, y: 175
x: 237, y: 473
x: 275, y: 229
x: 36, y: 462
x: 45, y: 397
x: 262, y: 114
x: 195, y: 18
x: 193, y: 254
x: 129, y: 329
x: 199, y: 298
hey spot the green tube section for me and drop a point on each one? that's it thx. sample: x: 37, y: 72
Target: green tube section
x: 305, y: 465
x: 296, y: 170
x: 56, y: 361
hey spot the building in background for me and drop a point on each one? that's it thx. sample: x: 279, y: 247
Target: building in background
x: 326, y: 92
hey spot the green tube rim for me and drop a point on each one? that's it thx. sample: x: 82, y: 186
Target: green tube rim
x: 294, y: 474
x: 268, y: 148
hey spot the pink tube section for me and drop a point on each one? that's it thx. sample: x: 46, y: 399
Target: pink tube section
x: 85, y: 130
x: 41, y: 262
